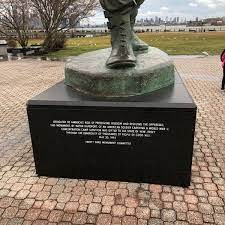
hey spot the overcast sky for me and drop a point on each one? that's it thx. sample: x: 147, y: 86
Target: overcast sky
x: 171, y: 8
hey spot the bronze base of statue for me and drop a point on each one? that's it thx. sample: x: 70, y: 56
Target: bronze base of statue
x: 88, y: 73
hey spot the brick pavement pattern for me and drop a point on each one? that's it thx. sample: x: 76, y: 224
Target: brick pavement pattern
x: 27, y: 199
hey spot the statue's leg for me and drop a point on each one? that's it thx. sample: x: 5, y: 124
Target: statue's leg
x: 118, y: 13
x: 137, y: 43
x: 118, y: 6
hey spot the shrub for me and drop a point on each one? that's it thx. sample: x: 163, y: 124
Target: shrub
x: 12, y: 43
x: 55, y: 42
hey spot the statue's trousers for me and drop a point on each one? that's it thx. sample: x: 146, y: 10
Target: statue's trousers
x: 120, y: 6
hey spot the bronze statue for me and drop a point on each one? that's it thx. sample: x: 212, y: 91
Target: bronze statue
x: 154, y: 68
x: 122, y: 15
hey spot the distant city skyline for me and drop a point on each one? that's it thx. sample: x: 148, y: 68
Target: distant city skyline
x: 189, y: 9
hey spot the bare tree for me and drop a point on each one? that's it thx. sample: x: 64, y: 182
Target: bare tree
x: 53, y: 12
x: 14, y: 17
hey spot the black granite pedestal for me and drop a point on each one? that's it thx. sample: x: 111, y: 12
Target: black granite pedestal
x: 146, y: 138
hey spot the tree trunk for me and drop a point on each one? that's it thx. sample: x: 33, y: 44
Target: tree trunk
x: 22, y: 39
x: 48, y: 42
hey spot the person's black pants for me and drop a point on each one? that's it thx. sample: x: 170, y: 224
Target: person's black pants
x: 223, y: 81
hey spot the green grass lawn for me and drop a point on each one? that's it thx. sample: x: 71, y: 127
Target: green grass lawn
x: 172, y: 43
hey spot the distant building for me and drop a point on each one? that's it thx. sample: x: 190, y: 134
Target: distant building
x: 35, y: 22
x: 215, y: 21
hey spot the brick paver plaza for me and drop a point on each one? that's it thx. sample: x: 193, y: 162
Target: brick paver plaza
x: 27, y: 199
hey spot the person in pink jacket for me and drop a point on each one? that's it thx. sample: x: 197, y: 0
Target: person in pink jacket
x: 222, y: 57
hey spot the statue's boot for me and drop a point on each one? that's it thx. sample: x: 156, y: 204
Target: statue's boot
x: 137, y: 43
x: 122, y: 52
